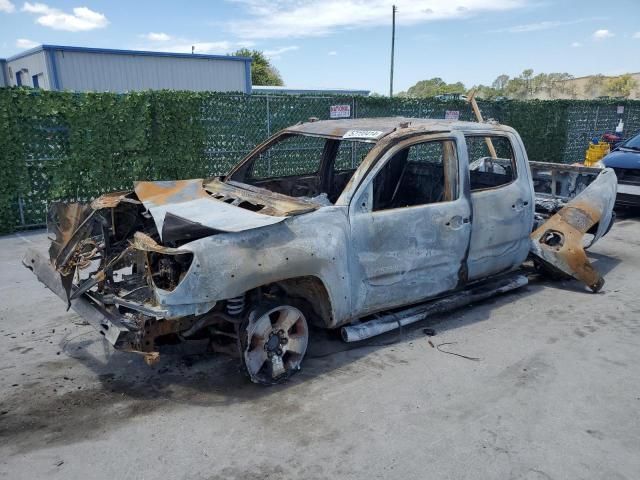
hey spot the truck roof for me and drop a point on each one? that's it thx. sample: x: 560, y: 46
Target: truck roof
x: 386, y: 125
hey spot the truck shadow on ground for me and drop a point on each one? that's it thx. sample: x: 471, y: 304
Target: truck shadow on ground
x: 123, y: 387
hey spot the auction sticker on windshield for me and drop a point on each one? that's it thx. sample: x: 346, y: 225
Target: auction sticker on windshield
x: 363, y: 134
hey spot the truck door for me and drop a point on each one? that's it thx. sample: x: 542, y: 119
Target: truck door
x: 410, y: 224
x: 502, y: 200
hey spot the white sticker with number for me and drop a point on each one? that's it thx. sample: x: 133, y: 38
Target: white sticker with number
x: 363, y: 134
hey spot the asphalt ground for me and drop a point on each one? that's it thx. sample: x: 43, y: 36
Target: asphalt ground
x: 554, y: 392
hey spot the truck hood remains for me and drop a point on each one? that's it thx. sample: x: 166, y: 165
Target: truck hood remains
x: 184, y: 209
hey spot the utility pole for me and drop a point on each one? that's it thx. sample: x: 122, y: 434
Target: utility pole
x: 393, y: 46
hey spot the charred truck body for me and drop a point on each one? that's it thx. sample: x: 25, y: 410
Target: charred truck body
x: 363, y: 225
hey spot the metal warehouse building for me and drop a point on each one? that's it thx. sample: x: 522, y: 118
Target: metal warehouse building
x: 54, y: 67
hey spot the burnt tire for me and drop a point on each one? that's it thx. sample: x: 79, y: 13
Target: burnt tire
x: 272, y: 340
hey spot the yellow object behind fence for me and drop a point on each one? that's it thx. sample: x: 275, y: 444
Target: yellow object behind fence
x: 595, y: 153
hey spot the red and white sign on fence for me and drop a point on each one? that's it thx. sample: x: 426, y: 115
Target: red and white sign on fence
x: 340, y: 111
x: 452, y: 115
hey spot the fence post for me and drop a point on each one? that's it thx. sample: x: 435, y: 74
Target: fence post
x: 268, y: 135
x: 353, y: 144
x: 21, y: 209
x: 268, y: 118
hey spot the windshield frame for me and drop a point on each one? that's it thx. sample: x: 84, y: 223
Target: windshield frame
x: 245, y: 163
x: 322, y: 181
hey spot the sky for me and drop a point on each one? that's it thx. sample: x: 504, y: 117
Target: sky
x: 346, y: 43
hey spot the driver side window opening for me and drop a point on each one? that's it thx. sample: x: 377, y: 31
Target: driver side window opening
x: 420, y: 174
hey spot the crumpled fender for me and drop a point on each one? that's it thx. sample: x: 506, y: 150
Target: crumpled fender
x: 558, y: 242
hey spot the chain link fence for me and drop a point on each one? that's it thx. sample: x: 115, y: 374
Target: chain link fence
x: 75, y: 146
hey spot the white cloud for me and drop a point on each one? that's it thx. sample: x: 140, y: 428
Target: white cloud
x: 602, y: 34
x: 7, y: 7
x: 222, y: 47
x: 275, y: 53
x: 576, y: 44
x: 156, y: 37
x: 184, y: 46
x: 164, y: 42
x: 332, y: 53
x: 534, y: 27
x: 304, y: 18
x: 636, y: 35
x: 26, y: 43
x: 82, y: 19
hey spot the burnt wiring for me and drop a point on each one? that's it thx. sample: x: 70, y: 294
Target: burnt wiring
x: 475, y: 359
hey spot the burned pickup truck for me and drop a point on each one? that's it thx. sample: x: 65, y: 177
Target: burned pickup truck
x: 364, y: 225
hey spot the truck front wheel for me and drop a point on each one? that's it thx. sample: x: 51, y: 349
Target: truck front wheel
x: 272, y: 341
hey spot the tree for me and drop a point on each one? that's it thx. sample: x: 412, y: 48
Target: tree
x: 517, y: 88
x: 262, y: 72
x: 434, y: 86
x: 486, y: 93
x: 594, y: 86
x: 621, y: 86
x: 558, y: 83
x: 501, y: 82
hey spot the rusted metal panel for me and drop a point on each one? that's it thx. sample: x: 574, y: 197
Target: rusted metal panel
x: 558, y: 242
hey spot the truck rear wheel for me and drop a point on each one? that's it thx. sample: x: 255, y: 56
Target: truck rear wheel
x: 272, y: 341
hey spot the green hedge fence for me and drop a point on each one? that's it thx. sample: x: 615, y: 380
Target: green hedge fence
x: 75, y: 146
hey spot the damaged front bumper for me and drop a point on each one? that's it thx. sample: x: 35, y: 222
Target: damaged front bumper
x: 124, y: 284
x: 132, y: 333
x: 110, y: 326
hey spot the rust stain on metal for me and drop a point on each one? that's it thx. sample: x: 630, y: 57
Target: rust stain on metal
x: 161, y: 193
x: 142, y: 241
x: 266, y: 201
x: 65, y: 221
x: 560, y: 239
x: 112, y: 200
x: 151, y: 358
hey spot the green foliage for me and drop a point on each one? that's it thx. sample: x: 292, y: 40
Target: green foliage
x: 76, y: 146
x: 500, y: 82
x: 486, y: 93
x: 262, y: 72
x: 12, y: 160
x: 594, y: 86
x: 527, y: 86
x: 432, y: 87
x: 621, y: 86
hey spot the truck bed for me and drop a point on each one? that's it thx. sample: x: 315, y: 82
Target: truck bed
x: 555, y: 184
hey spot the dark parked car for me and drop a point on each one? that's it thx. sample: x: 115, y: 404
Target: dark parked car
x: 625, y: 160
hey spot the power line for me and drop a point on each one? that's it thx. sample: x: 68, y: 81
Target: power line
x: 393, y: 46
